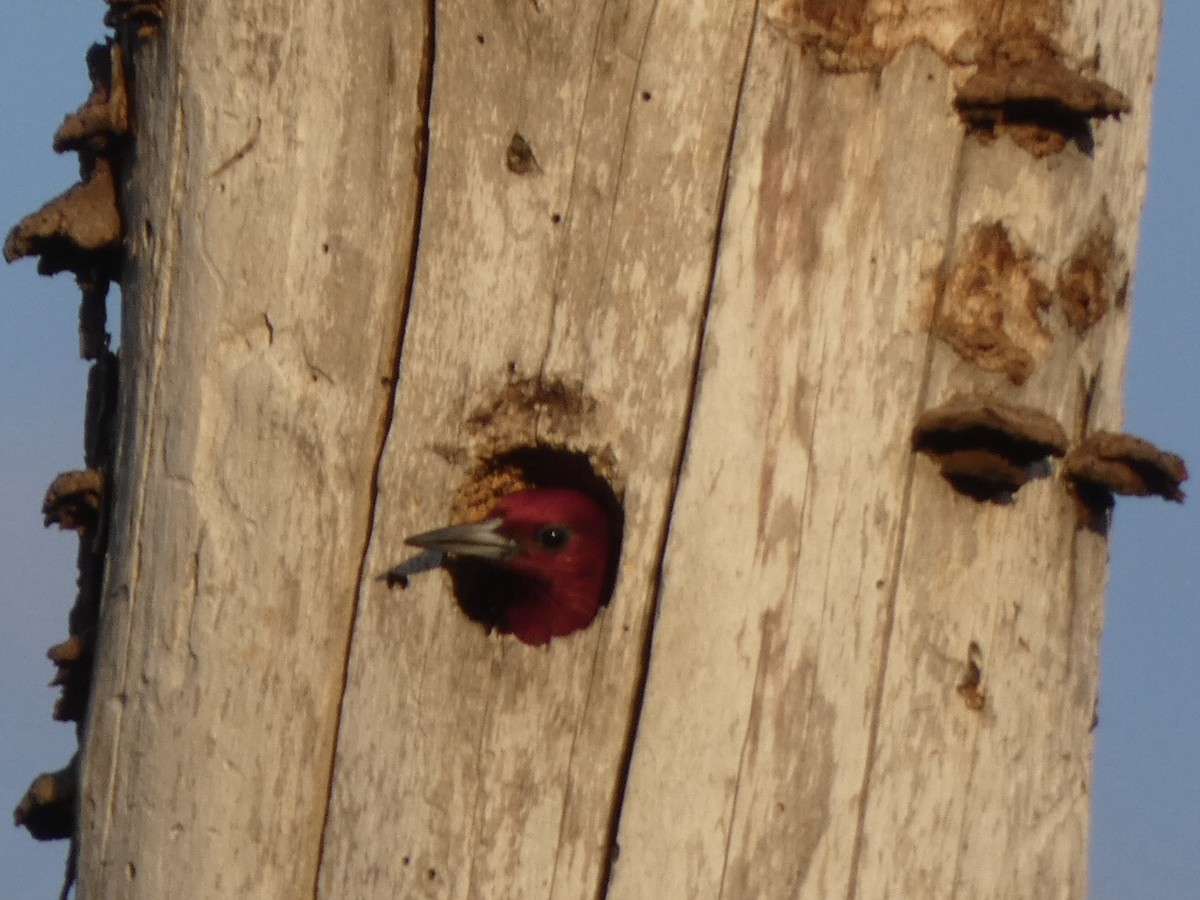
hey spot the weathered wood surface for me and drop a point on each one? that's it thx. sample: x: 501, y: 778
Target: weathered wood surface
x: 731, y: 251
x: 503, y: 764
x: 265, y: 293
x: 802, y: 733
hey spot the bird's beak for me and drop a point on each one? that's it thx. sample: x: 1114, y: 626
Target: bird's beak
x: 479, y: 539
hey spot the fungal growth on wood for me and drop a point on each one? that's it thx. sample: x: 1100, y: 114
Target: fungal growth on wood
x: 100, y: 412
x: 104, y: 117
x: 73, y: 668
x: 1085, y: 282
x: 842, y: 36
x: 73, y: 500
x: 48, y: 807
x: 1107, y: 463
x: 985, y: 448
x: 75, y: 230
x: 993, y: 305
x: 76, y: 500
x: 81, y: 231
x: 134, y: 18
x: 1025, y: 91
x: 93, y: 315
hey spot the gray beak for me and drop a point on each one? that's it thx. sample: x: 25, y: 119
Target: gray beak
x: 479, y: 539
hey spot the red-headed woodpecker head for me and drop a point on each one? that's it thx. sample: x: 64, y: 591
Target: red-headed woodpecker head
x: 540, y: 565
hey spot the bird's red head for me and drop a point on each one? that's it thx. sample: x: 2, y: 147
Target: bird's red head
x: 544, y: 562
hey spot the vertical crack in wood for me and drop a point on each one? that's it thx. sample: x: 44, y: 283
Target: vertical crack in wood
x: 424, y: 103
x: 639, y: 699
x: 623, y: 770
x: 889, y: 622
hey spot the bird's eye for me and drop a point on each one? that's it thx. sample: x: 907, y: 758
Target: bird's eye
x: 554, y: 537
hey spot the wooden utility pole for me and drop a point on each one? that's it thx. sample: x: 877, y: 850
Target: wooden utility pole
x: 384, y: 258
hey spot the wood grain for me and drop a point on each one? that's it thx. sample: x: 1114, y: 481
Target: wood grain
x: 707, y: 246
x: 264, y: 293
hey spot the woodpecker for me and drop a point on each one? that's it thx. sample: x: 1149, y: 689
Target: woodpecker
x: 539, y: 566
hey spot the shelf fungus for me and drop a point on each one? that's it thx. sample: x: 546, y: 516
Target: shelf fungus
x: 72, y: 673
x: 1107, y: 463
x: 1029, y: 94
x: 73, y: 500
x: 69, y: 656
x: 48, y: 808
x: 80, y: 230
x: 77, y: 231
x: 142, y: 17
x: 986, y: 448
x: 104, y: 117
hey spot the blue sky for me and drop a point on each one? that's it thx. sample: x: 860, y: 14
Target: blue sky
x: 1146, y: 824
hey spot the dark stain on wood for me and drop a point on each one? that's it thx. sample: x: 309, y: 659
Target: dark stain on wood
x: 512, y: 414
x: 519, y: 158
x: 970, y: 687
